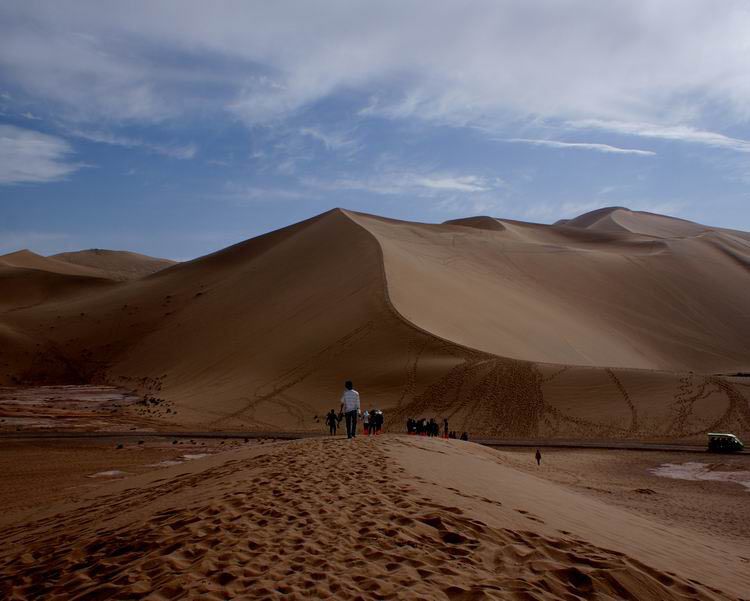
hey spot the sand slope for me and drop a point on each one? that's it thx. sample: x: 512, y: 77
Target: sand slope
x: 116, y: 264
x: 358, y: 519
x: 28, y: 287
x: 506, y: 328
x: 574, y: 295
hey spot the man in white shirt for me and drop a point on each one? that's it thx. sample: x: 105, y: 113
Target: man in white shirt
x: 366, y: 421
x: 350, y: 408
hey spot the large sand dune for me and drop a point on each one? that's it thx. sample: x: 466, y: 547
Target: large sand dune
x: 506, y: 328
x: 116, y: 264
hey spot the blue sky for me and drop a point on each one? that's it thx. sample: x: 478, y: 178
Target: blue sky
x: 178, y: 128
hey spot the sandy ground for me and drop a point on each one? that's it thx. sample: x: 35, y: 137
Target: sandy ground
x: 390, y: 517
x: 627, y: 479
x: 40, y: 474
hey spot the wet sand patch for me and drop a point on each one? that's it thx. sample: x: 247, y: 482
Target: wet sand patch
x: 694, y: 470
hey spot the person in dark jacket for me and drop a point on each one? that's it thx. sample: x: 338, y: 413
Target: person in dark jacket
x: 332, y: 420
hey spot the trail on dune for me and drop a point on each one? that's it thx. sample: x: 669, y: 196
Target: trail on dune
x: 314, y: 519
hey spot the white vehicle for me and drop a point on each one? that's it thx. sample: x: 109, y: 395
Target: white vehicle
x: 724, y: 443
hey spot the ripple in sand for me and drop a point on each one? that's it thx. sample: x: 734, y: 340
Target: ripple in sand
x: 693, y: 470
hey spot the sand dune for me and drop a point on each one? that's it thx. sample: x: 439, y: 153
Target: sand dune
x: 116, y: 264
x: 28, y: 287
x: 26, y: 259
x: 549, y: 294
x: 29, y: 279
x: 507, y: 328
x: 385, y: 518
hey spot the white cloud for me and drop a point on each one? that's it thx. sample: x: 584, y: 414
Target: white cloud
x: 395, y: 182
x: 27, y: 156
x: 606, y: 148
x: 464, y: 183
x: 679, y: 133
x: 176, y: 151
x: 242, y: 194
x: 626, y: 60
x: 338, y: 141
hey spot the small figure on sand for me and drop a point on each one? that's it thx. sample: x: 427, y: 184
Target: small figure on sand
x: 332, y: 421
x: 350, y: 408
x: 445, y: 427
x: 366, y: 421
x: 538, y: 457
x: 376, y: 422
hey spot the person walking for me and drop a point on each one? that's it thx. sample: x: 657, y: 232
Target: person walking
x: 350, y: 408
x: 538, y: 457
x: 445, y: 426
x: 366, y: 417
x: 332, y: 421
x: 379, y: 419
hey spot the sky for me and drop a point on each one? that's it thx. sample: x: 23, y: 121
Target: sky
x: 176, y: 128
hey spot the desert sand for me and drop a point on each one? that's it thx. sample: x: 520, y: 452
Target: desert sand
x: 389, y: 517
x: 613, y: 325
x: 116, y: 264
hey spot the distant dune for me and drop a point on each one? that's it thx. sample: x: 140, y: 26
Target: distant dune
x: 613, y: 324
x: 26, y: 259
x: 117, y: 264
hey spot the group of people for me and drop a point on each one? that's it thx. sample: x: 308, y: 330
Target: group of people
x: 425, y: 427
x: 372, y: 421
x: 350, y: 411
